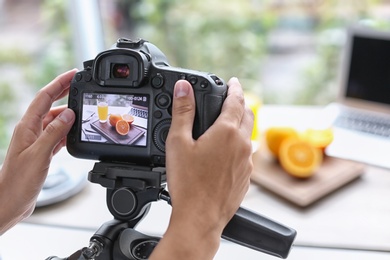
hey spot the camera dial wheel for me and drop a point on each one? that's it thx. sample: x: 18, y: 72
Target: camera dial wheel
x: 160, y: 134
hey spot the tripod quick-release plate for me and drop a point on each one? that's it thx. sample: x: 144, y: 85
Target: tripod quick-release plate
x: 117, y: 175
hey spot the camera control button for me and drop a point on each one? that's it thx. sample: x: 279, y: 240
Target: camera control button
x: 182, y: 76
x: 163, y: 100
x: 88, y: 77
x: 193, y: 80
x: 73, y: 104
x: 217, y: 80
x: 78, y: 76
x: 158, y: 81
x: 74, y: 92
x: 157, y: 114
x: 204, y: 84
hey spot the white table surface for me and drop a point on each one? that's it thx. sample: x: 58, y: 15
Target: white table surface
x: 30, y: 241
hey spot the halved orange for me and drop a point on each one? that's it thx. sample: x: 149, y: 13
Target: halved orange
x: 128, y: 118
x: 122, y: 127
x: 299, y: 158
x: 276, y: 134
x: 319, y: 138
x: 114, y: 118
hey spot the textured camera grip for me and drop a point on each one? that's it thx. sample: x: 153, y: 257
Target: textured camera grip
x: 211, y: 109
x: 259, y: 233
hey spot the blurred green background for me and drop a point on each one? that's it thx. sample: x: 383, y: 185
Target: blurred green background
x: 286, y: 52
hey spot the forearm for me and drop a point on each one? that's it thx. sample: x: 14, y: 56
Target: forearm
x: 13, y: 207
x: 7, y: 219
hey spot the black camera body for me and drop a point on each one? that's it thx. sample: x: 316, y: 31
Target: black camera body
x: 133, y: 83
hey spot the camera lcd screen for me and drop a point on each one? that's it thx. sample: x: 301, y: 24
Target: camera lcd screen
x: 115, y: 119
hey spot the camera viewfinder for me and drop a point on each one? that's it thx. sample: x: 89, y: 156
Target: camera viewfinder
x: 121, y: 71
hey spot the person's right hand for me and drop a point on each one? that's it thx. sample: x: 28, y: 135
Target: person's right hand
x: 207, y: 178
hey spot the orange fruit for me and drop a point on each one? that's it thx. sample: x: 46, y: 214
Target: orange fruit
x: 319, y: 138
x: 275, y: 135
x: 299, y: 158
x: 114, y: 118
x: 122, y: 127
x: 128, y: 118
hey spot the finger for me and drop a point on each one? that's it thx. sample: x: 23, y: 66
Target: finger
x: 59, y: 86
x: 55, y: 132
x: 234, y: 105
x: 247, y: 122
x: 53, y: 113
x: 59, y: 146
x: 183, y: 109
x: 44, y: 99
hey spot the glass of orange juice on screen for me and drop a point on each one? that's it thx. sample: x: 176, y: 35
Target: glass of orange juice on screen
x: 102, y: 111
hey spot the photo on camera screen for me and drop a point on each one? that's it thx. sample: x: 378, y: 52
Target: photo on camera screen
x: 115, y: 118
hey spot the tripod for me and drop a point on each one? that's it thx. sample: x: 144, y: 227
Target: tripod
x: 130, y: 191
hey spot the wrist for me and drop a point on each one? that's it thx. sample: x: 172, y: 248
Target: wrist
x: 6, y: 221
x: 13, y: 210
x: 185, y: 231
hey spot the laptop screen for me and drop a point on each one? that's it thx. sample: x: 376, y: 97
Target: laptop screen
x: 369, y: 69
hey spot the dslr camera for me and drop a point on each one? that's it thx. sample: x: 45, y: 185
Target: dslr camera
x: 123, y: 104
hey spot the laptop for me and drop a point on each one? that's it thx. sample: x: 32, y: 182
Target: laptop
x: 361, y: 115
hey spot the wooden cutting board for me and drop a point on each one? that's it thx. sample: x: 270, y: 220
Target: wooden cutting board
x: 109, y: 132
x: 333, y: 174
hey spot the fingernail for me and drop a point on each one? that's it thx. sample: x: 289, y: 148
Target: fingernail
x: 182, y: 89
x: 234, y: 79
x: 66, y: 116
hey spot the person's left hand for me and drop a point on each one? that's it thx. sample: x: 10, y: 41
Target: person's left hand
x: 39, y: 135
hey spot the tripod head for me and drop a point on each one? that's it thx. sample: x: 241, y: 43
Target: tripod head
x: 130, y: 191
x: 130, y: 188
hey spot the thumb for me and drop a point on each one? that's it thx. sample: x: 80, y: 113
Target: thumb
x: 183, y: 109
x: 56, y: 130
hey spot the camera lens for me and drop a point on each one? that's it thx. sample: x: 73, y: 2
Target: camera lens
x: 121, y: 71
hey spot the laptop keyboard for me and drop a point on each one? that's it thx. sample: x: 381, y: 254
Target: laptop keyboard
x: 365, y: 123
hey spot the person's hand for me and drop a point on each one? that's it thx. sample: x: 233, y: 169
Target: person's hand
x: 207, y: 178
x: 37, y: 137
